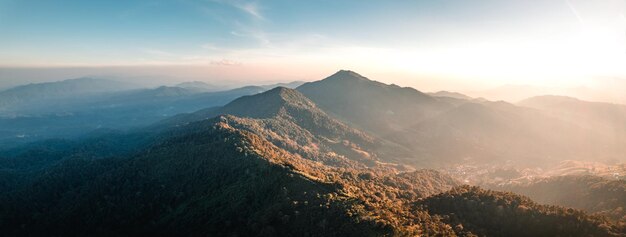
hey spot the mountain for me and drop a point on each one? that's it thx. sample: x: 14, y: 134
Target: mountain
x: 450, y: 94
x: 513, y: 93
x: 371, y: 105
x: 593, y: 194
x: 478, y: 211
x: 499, y: 131
x: 285, y: 116
x: 439, y: 131
x: 606, y: 117
x: 148, y: 195
x: 166, y: 91
x: 72, y: 88
x: 74, y: 107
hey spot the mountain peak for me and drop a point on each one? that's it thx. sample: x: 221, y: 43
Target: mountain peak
x: 267, y: 104
x: 283, y: 94
x: 278, y: 90
x: 346, y: 75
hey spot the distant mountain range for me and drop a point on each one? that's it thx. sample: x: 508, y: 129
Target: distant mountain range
x: 606, y: 117
x: 450, y: 94
x: 73, y: 107
x: 68, y: 89
x: 199, y: 86
x: 608, y: 90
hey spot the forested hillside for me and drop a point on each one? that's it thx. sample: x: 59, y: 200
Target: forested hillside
x: 490, y: 213
x: 590, y: 193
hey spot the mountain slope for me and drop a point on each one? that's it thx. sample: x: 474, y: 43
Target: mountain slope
x: 287, y: 118
x: 499, y: 131
x: 371, y: 105
x: 247, y: 168
x: 201, y: 179
x: 590, y: 193
x: 604, y: 117
x: 478, y: 211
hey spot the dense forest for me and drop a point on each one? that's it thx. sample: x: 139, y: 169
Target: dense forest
x: 492, y: 213
x: 590, y: 193
x: 236, y: 182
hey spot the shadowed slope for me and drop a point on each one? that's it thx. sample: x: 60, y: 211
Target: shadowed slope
x: 288, y: 119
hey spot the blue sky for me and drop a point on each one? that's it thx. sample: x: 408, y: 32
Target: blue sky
x: 482, y: 42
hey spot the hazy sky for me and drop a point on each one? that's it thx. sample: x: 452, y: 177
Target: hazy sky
x: 426, y: 44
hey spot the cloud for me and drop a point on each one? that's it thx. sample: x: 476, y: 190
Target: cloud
x: 574, y: 11
x: 251, y: 8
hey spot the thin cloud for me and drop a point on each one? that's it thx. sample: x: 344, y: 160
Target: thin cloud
x: 571, y: 7
x: 251, y: 8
